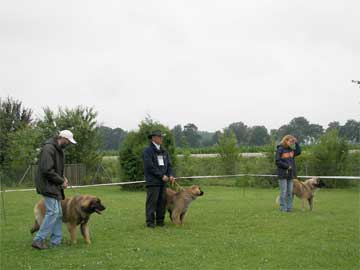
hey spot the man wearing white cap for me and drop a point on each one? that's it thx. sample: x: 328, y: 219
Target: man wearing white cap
x: 50, y: 183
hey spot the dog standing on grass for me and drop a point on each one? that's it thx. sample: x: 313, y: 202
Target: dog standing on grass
x: 177, y: 203
x: 75, y: 211
x: 306, y: 191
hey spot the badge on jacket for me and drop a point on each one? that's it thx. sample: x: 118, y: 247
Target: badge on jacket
x: 161, y: 160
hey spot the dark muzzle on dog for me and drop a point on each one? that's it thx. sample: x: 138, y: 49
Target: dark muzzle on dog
x: 320, y: 184
x: 95, y: 207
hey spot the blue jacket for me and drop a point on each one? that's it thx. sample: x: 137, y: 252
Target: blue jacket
x: 284, y: 159
x: 153, y: 169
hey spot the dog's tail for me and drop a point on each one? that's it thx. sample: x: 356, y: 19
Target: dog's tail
x: 35, y: 227
x: 39, y: 216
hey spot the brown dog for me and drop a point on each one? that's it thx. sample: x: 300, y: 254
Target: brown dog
x: 177, y: 203
x: 306, y: 190
x: 76, y: 211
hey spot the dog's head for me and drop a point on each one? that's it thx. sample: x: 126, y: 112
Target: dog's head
x: 92, y: 204
x: 316, y: 182
x: 196, y: 191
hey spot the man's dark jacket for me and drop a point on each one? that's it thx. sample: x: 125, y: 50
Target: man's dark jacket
x: 152, y: 170
x: 49, y: 178
x: 285, y: 159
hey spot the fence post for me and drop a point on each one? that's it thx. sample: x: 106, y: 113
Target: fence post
x: 3, y: 198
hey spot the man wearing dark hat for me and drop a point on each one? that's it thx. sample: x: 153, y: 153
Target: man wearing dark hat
x: 158, y: 171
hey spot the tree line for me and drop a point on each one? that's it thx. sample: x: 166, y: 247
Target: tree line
x: 189, y: 136
x: 22, y: 134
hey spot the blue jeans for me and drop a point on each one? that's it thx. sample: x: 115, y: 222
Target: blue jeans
x: 286, y: 197
x: 52, y: 222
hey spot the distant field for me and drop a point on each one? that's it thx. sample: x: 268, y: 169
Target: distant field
x: 228, y: 228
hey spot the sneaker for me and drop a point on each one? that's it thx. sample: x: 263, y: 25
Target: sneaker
x: 39, y: 245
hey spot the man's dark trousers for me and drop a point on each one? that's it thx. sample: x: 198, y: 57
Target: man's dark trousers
x: 155, y: 205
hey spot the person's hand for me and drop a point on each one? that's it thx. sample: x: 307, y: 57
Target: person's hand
x: 165, y: 178
x: 172, y: 180
x: 290, y: 168
x: 66, y: 183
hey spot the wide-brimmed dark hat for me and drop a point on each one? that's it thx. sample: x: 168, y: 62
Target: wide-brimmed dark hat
x: 156, y: 133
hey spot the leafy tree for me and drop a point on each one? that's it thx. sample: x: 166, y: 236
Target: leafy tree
x: 216, y: 137
x: 48, y: 124
x: 130, y: 154
x: 228, y: 151
x: 258, y: 135
x: 13, y: 117
x: 351, y: 131
x: 82, y: 122
x: 24, y: 149
x: 241, y: 132
x: 180, y: 140
x: 191, y: 134
x: 314, y: 132
x: 333, y: 125
x: 206, y: 138
x: 301, y: 129
x: 112, y: 139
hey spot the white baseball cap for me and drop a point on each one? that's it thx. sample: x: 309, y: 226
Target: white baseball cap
x: 67, y: 134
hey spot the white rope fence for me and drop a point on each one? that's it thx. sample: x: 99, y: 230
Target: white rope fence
x: 195, y: 177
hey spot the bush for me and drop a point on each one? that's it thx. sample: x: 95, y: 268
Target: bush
x: 330, y: 157
x: 130, y: 154
x: 228, y: 151
x: 24, y: 146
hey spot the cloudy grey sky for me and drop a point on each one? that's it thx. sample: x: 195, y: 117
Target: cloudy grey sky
x: 207, y: 62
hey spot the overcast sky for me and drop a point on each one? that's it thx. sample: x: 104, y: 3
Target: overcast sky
x: 207, y: 62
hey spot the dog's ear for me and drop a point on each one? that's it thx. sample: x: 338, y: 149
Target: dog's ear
x: 85, y: 201
x: 196, y: 190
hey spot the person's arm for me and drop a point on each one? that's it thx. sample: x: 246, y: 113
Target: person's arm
x: 297, y: 150
x: 150, y: 166
x: 47, y: 166
x: 278, y: 160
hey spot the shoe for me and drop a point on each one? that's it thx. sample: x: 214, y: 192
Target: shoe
x: 160, y: 223
x: 39, y: 245
x: 55, y: 245
x: 150, y: 225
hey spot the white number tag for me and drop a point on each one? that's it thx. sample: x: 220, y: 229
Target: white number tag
x: 161, y: 160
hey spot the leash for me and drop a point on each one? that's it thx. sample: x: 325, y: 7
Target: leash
x: 178, y: 185
x: 72, y: 188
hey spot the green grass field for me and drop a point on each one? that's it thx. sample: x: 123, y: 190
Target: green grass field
x: 228, y: 228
